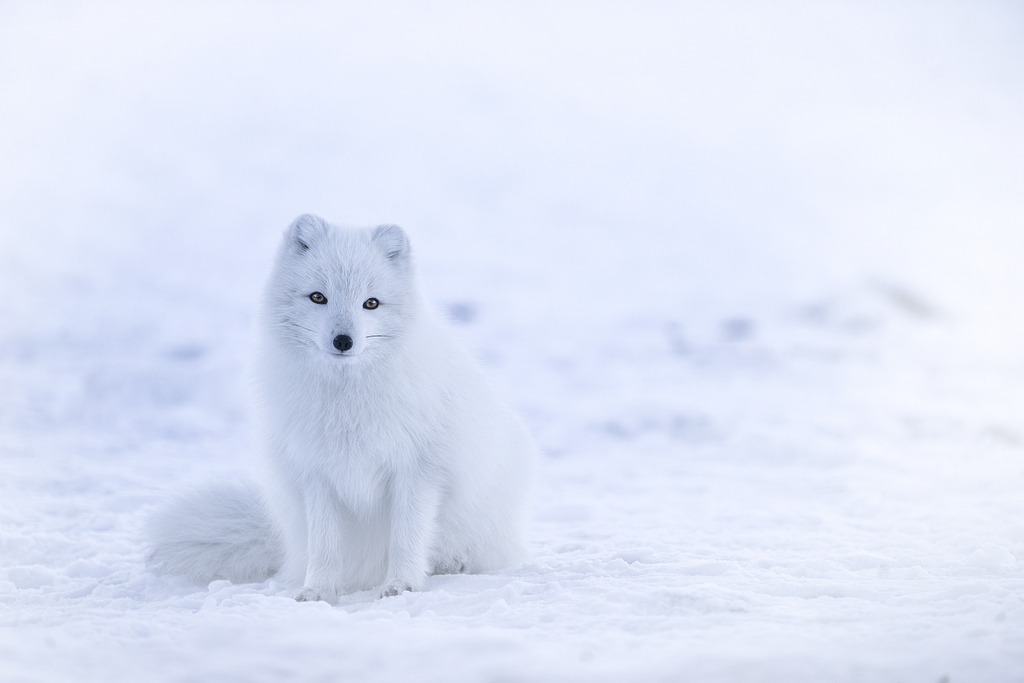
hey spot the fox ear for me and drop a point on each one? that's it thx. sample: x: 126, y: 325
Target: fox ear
x: 392, y: 240
x: 304, y: 231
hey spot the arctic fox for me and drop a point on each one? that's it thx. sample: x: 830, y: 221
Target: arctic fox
x: 388, y: 456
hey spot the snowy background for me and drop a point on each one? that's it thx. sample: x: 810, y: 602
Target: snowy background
x: 752, y: 273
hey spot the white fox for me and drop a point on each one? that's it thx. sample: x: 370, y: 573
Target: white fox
x: 388, y: 455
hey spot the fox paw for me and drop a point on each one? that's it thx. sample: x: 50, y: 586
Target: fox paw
x: 392, y: 588
x: 450, y: 567
x: 307, y: 594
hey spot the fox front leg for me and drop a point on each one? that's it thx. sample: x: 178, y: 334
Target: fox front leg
x: 413, y: 522
x: 324, y: 554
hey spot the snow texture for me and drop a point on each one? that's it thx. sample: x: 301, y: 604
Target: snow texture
x: 752, y: 274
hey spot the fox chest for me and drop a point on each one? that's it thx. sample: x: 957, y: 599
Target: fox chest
x: 361, y: 459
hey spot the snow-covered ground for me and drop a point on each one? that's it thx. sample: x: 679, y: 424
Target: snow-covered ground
x: 751, y: 272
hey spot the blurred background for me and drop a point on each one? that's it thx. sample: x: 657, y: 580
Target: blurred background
x: 610, y: 157
x: 569, y: 164
x: 574, y: 176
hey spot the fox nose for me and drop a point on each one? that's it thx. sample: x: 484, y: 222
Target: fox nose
x: 343, y: 342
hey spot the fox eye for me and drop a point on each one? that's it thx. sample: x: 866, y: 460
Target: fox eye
x: 318, y: 298
x: 371, y: 304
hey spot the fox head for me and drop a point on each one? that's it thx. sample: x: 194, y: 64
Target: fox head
x: 343, y: 294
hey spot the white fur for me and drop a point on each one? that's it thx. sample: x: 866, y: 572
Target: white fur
x: 217, y: 531
x: 386, y: 462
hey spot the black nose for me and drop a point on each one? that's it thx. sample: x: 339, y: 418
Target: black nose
x: 343, y: 342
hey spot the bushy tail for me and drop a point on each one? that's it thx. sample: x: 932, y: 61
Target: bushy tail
x: 216, y: 532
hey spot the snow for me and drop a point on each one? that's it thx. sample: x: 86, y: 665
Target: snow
x: 751, y: 273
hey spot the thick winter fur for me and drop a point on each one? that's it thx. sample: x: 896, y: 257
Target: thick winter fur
x: 218, y: 531
x: 386, y: 461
